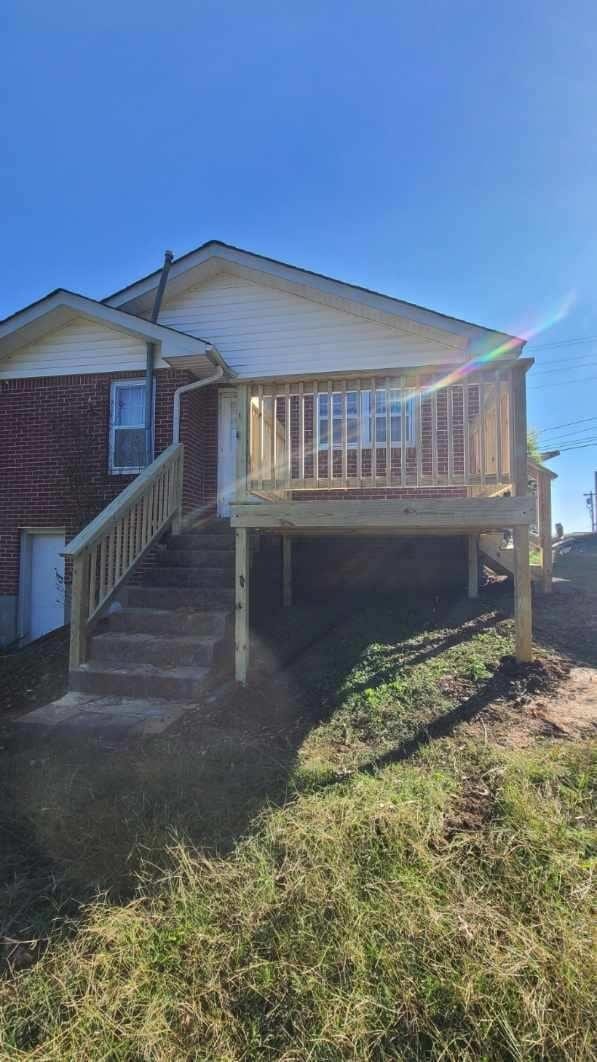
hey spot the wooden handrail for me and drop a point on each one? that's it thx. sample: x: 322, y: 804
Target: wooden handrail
x: 105, y: 552
x: 96, y: 528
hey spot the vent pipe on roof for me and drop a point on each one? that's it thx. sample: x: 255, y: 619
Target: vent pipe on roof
x: 150, y: 359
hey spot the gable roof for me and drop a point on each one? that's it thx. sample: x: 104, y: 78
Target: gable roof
x: 61, y: 306
x: 215, y: 256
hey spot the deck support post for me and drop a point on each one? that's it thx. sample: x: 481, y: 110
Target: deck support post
x: 473, y: 566
x: 544, y: 502
x: 519, y: 463
x: 241, y: 605
x: 523, y: 605
x: 79, y: 610
x: 286, y: 571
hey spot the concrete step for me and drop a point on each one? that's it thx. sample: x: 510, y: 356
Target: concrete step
x: 203, y: 598
x: 124, y: 649
x: 172, y: 576
x: 198, y: 558
x: 142, y: 680
x: 168, y: 622
x: 202, y: 540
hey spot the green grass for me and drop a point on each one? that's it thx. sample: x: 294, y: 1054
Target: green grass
x: 438, y: 907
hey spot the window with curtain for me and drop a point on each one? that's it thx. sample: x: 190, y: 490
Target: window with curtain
x: 127, y: 426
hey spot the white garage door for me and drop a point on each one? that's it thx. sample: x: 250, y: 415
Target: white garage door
x: 46, y: 606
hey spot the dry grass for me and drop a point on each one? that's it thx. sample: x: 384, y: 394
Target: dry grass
x: 433, y: 908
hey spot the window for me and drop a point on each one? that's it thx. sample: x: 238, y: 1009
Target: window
x: 127, y: 426
x: 397, y: 406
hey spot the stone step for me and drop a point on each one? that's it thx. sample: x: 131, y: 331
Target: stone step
x: 198, y: 558
x: 172, y: 576
x: 142, y: 680
x: 125, y: 649
x: 168, y: 622
x: 203, y: 598
x: 202, y: 540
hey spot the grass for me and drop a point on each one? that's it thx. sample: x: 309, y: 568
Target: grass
x: 404, y: 900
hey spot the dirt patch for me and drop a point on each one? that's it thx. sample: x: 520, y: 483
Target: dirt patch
x: 36, y: 674
x: 557, y: 701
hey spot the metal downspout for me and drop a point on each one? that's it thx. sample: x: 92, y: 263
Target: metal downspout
x: 150, y: 359
x: 183, y: 390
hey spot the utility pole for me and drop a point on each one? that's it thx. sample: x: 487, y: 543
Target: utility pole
x: 592, y: 507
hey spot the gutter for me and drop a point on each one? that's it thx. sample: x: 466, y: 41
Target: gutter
x: 180, y: 391
x: 150, y: 358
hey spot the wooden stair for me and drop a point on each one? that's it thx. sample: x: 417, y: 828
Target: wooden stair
x: 501, y: 558
x: 168, y: 638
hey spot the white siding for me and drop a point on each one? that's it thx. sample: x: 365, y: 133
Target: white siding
x: 264, y: 331
x: 82, y: 346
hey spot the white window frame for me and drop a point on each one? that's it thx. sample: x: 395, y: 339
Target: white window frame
x: 367, y: 416
x: 117, y: 470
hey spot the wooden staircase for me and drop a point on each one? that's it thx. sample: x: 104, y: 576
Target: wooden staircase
x: 166, y: 637
x: 500, y: 557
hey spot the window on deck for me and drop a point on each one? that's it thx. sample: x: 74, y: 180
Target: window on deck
x: 368, y: 422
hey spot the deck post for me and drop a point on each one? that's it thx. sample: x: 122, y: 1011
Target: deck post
x: 473, y: 566
x: 286, y: 571
x: 544, y: 501
x: 523, y: 606
x: 79, y: 610
x: 241, y: 611
x: 519, y: 463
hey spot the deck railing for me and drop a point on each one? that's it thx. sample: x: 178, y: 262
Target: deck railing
x: 541, y: 536
x: 391, y: 431
x: 107, y: 550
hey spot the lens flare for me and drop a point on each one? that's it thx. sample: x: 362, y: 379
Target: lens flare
x: 558, y: 314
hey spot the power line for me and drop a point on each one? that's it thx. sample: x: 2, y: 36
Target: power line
x: 563, y: 383
x: 569, y: 424
x: 590, y: 428
x: 566, y: 367
x: 561, y: 342
x: 578, y: 446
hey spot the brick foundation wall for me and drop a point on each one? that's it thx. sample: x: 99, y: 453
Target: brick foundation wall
x: 54, y: 452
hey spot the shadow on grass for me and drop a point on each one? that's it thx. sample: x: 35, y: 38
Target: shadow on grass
x: 78, y: 816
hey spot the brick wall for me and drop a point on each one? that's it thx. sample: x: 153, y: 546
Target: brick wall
x: 54, y: 452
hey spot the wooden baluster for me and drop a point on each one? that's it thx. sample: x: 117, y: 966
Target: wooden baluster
x: 373, y: 432
x: 434, y: 455
x: 118, y: 549
x: 466, y: 432
x: 359, y: 469
x: 482, y: 430
x: 344, y: 431
x: 419, y: 433
x: 111, y: 558
x: 301, y: 431
x: 449, y: 399
x: 92, y: 604
x: 404, y: 409
x: 288, y: 433
x: 388, y: 432
x: 103, y: 573
x: 261, y: 429
x: 330, y: 434
x: 498, y: 428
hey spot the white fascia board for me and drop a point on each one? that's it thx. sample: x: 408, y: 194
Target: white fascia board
x: 479, y: 339
x: 61, y: 306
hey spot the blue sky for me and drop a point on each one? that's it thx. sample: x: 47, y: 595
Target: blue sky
x: 443, y: 152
